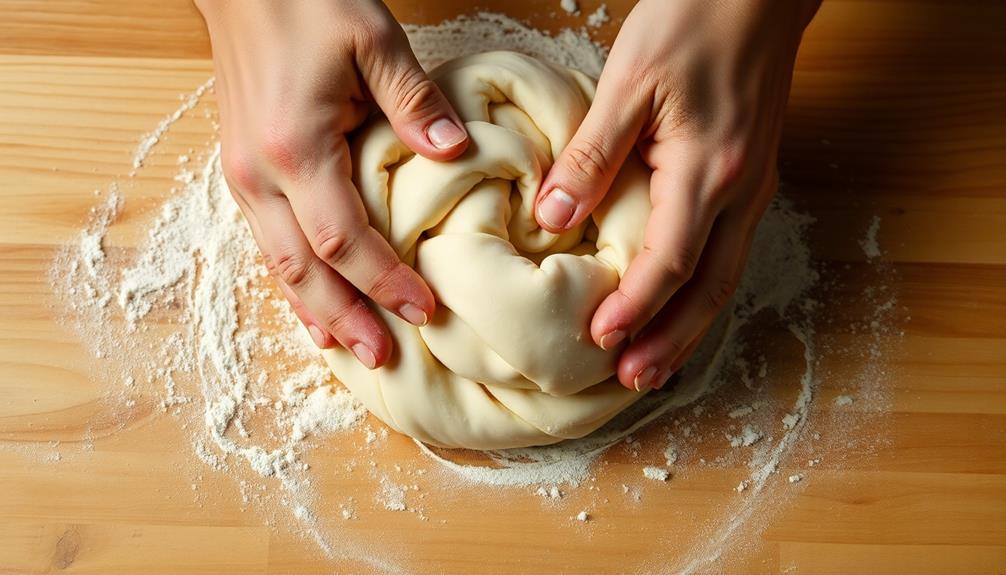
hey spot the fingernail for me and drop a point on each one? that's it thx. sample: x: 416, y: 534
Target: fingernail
x: 317, y: 335
x: 557, y: 208
x: 444, y: 133
x: 644, y: 379
x: 366, y: 357
x: 413, y: 314
x: 612, y: 339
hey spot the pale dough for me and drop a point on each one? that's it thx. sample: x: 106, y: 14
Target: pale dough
x: 508, y: 360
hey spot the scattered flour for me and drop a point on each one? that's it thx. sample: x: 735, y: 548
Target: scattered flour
x: 656, y: 473
x: 392, y: 496
x: 870, y: 245
x: 748, y: 436
x: 741, y: 411
x: 148, y: 141
x: 550, y: 492
x: 488, y: 31
x: 326, y: 410
x: 570, y: 6
x: 670, y: 455
x: 599, y: 17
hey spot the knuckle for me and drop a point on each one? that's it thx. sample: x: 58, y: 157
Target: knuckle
x: 672, y: 347
x: 239, y: 171
x: 292, y: 267
x: 680, y: 353
x: 339, y: 319
x: 726, y: 169
x: 718, y: 294
x: 588, y: 160
x: 334, y: 243
x: 374, y: 34
x: 414, y: 94
x: 299, y: 309
x: 284, y: 149
x: 386, y: 281
x: 679, y: 267
x: 630, y: 309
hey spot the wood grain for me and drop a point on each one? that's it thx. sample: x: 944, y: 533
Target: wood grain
x: 898, y: 109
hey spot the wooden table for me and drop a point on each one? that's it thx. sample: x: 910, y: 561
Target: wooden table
x: 898, y: 110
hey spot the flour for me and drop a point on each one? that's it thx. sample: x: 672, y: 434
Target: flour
x: 746, y: 438
x: 670, y: 454
x: 392, y: 496
x: 869, y: 243
x: 325, y: 411
x: 486, y: 32
x: 599, y: 17
x: 790, y: 420
x: 92, y: 251
x: 656, y: 473
x: 550, y: 492
x: 570, y: 6
x: 741, y: 411
x: 240, y: 376
x: 148, y: 141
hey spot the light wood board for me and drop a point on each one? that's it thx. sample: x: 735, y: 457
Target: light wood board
x: 898, y: 110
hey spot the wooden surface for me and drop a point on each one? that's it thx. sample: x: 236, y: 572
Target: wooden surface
x: 911, y: 99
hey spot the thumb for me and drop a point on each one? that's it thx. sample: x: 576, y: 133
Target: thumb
x: 419, y: 113
x: 584, y: 170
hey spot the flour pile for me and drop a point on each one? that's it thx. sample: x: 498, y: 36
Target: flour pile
x: 192, y: 325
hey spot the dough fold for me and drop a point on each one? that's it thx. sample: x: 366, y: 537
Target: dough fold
x: 507, y: 360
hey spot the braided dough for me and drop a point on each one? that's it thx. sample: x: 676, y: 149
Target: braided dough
x: 507, y: 360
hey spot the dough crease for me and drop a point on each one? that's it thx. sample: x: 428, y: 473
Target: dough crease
x: 507, y: 360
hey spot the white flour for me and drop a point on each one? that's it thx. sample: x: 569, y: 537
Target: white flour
x: 148, y: 141
x: 207, y: 335
x: 869, y: 244
x: 599, y: 17
x: 656, y: 473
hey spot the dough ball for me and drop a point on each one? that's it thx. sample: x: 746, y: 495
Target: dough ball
x: 507, y: 360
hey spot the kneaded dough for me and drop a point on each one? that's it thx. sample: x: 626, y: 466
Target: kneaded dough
x: 507, y: 360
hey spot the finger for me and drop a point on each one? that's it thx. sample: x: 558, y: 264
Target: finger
x: 672, y: 244
x: 684, y: 356
x: 663, y: 376
x: 329, y: 210
x: 584, y: 170
x: 338, y: 305
x: 421, y: 116
x: 319, y: 334
x: 667, y: 342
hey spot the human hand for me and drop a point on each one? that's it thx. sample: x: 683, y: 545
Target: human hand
x: 293, y: 78
x: 700, y: 89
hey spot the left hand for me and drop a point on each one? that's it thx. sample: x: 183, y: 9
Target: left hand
x: 700, y: 89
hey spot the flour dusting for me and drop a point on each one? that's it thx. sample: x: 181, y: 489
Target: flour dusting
x: 148, y: 141
x: 869, y: 243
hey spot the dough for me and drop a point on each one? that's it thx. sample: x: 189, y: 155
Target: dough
x: 507, y: 360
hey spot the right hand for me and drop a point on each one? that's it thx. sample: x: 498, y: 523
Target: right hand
x: 293, y: 78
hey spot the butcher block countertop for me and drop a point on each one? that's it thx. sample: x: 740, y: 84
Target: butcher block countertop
x: 898, y: 111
